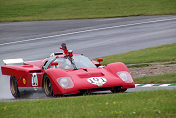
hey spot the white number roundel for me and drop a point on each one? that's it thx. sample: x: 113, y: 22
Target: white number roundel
x: 97, y: 80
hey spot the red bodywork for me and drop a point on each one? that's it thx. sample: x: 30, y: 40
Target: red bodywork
x: 24, y: 74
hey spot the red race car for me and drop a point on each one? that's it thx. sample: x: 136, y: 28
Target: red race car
x: 67, y: 73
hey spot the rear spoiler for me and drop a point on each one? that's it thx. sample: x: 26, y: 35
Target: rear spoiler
x: 13, y: 61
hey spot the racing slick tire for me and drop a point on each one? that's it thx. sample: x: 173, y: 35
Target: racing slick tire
x: 47, y: 87
x: 14, y: 87
x: 118, y: 90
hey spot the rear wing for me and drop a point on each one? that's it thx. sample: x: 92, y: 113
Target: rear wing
x: 13, y: 61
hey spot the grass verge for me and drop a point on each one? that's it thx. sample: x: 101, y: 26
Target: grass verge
x: 148, y: 104
x: 138, y: 65
x: 155, y: 54
x: 159, y: 79
x: 23, y: 10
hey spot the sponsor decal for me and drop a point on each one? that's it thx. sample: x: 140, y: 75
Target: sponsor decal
x: 97, y: 81
x: 34, y: 79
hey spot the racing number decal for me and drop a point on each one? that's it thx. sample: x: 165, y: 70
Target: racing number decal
x: 34, y: 79
x: 97, y: 81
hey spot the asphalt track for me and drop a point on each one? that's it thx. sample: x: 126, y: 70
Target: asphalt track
x: 91, y: 37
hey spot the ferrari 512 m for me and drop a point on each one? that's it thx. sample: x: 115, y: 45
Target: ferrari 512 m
x: 67, y: 73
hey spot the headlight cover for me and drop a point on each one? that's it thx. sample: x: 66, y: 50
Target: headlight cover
x: 65, y: 82
x: 125, y: 76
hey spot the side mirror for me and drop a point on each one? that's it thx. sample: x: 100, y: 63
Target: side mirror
x: 100, y: 60
x: 54, y: 63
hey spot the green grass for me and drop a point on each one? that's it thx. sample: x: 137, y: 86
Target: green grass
x: 23, y: 10
x: 155, y: 54
x: 148, y: 104
x: 166, y: 78
x: 137, y: 65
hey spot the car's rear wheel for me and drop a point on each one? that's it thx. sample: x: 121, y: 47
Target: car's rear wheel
x: 14, y: 87
x: 118, y: 90
x: 47, y: 87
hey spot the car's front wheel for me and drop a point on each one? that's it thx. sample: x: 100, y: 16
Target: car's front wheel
x: 47, y: 87
x: 14, y: 87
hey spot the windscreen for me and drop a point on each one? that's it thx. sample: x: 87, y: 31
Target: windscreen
x: 78, y: 61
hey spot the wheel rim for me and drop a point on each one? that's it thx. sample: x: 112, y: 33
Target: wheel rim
x: 47, y: 86
x: 13, y: 86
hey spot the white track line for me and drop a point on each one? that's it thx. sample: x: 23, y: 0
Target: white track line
x: 104, y: 28
x: 136, y: 85
x: 148, y: 85
x: 163, y: 85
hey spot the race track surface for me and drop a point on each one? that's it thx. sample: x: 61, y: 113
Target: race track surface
x: 91, y: 37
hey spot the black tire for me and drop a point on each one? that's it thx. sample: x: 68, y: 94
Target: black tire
x: 123, y: 90
x: 118, y: 90
x: 14, y: 87
x: 47, y: 87
x: 82, y: 92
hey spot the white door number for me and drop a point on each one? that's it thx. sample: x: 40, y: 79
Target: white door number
x: 34, y: 79
x: 97, y: 80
